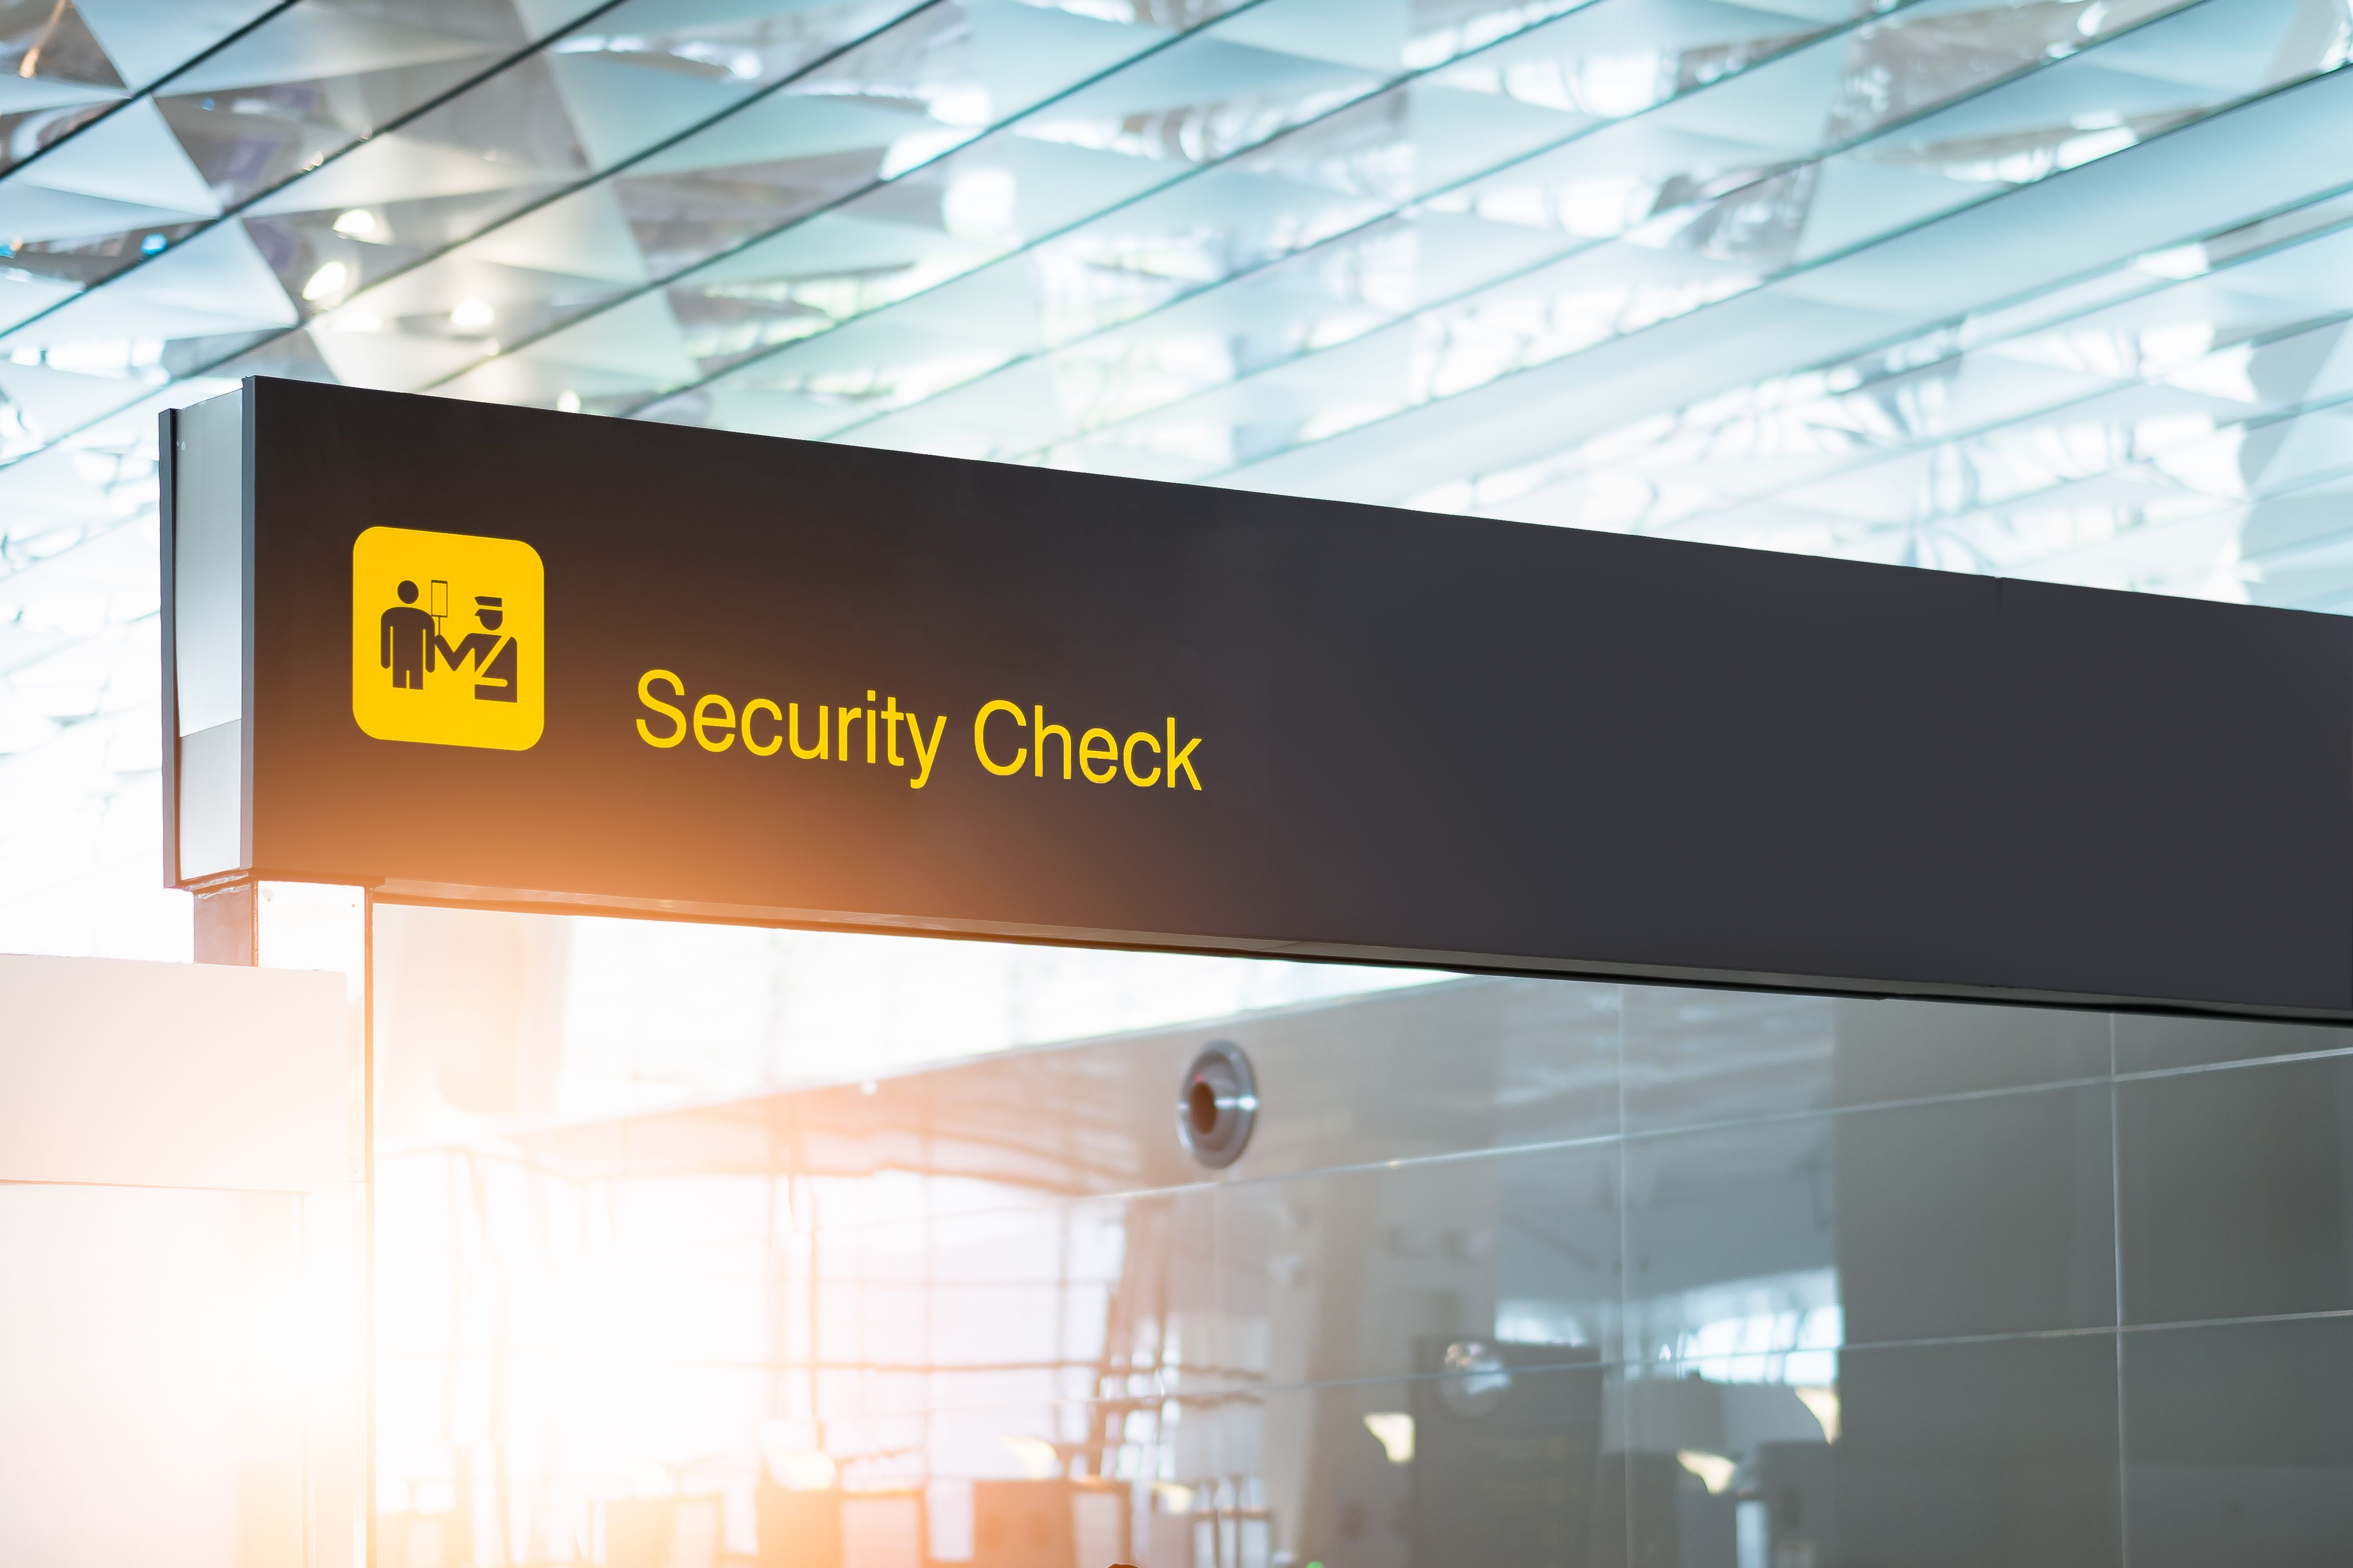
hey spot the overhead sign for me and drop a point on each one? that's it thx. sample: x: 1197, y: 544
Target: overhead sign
x: 500, y: 656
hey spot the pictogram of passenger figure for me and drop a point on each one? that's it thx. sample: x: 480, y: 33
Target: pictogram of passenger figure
x: 493, y: 656
x: 405, y: 641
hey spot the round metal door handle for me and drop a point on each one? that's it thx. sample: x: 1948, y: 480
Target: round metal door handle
x: 1217, y: 1105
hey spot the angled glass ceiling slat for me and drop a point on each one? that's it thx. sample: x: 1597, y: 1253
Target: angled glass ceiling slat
x: 1013, y: 73
x: 1512, y: 212
x: 1467, y: 376
x: 2243, y: 344
x: 1714, y: 249
x: 2210, y: 410
x: 64, y: 62
x: 628, y: 77
x: 302, y: 85
x: 2172, y: 501
x: 1008, y: 71
x: 105, y: 387
x: 1975, y: 495
x: 1233, y: 83
x: 2127, y: 486
x: 84, y: 152
x: 1727, y: 457
x: 141, y: 40
x: 1249, y: 213
x: 880, y: 117
x: 61, y: 70
x: 1242, y: 203
x: 2296, y: 548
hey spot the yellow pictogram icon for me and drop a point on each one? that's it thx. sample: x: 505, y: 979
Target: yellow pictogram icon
x: 448, y: 639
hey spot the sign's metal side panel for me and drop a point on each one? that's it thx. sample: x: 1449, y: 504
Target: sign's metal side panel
x: 208, y: 657
x: 210, y: 573
x: 510, y: 656
x: 167, y: 652
x: 247, y: 479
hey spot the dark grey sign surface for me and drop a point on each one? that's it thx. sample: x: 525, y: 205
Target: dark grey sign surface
x: 504, y: 656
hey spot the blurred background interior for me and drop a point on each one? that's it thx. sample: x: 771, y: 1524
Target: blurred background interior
x: 698, y: 1246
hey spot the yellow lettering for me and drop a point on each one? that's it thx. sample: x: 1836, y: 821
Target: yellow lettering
x: 1128, y: 759
x: 702, y: 719
x: 1089, y: 756
x: 793, y: 733
x: 678, y: 688
x: 844, y: 718
x: 1045, y: 729
x: 924, y: 754
x: 890, y: 716
x: 1183, y: 759
x: 752, y: 746
x: 980, y: 738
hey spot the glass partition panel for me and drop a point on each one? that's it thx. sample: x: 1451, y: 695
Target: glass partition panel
x: 703, y: 1245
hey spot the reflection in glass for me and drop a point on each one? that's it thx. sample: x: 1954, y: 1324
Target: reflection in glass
x: 707, y: 1246
x: 638, y: 1304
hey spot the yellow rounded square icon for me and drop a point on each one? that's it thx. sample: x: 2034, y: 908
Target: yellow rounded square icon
x: 448, y: 639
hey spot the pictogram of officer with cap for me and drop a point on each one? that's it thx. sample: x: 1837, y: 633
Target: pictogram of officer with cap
x: 494, y: 656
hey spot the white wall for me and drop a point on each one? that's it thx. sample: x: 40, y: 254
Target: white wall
x: 172, y: 1075
x: 178, y: 1310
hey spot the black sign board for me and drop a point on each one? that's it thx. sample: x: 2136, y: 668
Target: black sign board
x: 500, y: 656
